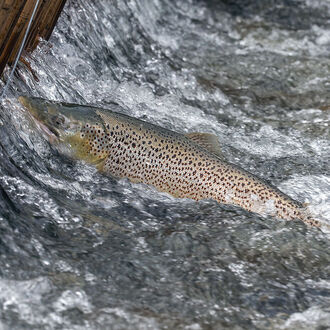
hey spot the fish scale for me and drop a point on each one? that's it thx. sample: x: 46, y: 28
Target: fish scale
x: 176, y: 164
x: 186, y: 166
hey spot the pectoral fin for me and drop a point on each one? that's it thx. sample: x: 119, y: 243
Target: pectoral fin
x: 208, y: 141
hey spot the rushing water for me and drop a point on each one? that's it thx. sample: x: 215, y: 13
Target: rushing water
x: 80, y: 250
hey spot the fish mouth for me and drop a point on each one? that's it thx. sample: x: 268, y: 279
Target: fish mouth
x: 50, y: 132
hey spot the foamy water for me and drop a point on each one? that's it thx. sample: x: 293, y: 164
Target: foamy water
x: 80, y: 250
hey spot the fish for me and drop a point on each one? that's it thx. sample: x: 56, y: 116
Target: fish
x: 183, y: 165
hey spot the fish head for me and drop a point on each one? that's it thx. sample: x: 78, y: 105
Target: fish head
x: 61, y: 119
x: 77, y: 130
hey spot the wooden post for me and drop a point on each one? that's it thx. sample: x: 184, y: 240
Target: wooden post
x: 14, y: 19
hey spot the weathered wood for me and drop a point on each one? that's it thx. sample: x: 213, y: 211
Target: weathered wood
x: 14, y: 19
x: 44, y: 23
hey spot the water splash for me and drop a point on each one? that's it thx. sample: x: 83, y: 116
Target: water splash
x: 81, y: 250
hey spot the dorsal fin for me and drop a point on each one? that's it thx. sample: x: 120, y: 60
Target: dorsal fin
x: 208, y: 141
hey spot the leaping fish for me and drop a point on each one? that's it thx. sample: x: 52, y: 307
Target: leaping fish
x: 183, y: 165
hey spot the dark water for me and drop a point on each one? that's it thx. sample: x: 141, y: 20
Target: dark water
x: 79, y: 250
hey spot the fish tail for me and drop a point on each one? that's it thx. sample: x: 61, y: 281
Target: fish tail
x: 307, y: 218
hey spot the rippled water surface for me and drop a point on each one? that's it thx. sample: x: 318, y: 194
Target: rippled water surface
x: 79, y: 250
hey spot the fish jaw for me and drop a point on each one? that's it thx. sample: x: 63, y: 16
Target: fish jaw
x: 50, y: 135
x: 42, y: 116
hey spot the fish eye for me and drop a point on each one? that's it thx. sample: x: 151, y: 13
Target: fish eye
x: 58, y: 120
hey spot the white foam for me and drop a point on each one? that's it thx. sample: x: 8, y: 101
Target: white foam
x: 311, y: 318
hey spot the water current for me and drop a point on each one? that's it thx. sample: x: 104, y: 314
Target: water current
x: 80, y: 250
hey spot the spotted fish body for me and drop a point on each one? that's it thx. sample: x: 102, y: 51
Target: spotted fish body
x: 186, y: 166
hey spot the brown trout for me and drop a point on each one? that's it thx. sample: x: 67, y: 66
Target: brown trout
x: 183, y: 165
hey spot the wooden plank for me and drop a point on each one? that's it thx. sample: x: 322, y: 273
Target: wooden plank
x: 10, y: 11
x: 44, y: 23
x: 12, y: 44
x: 14, y: 19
